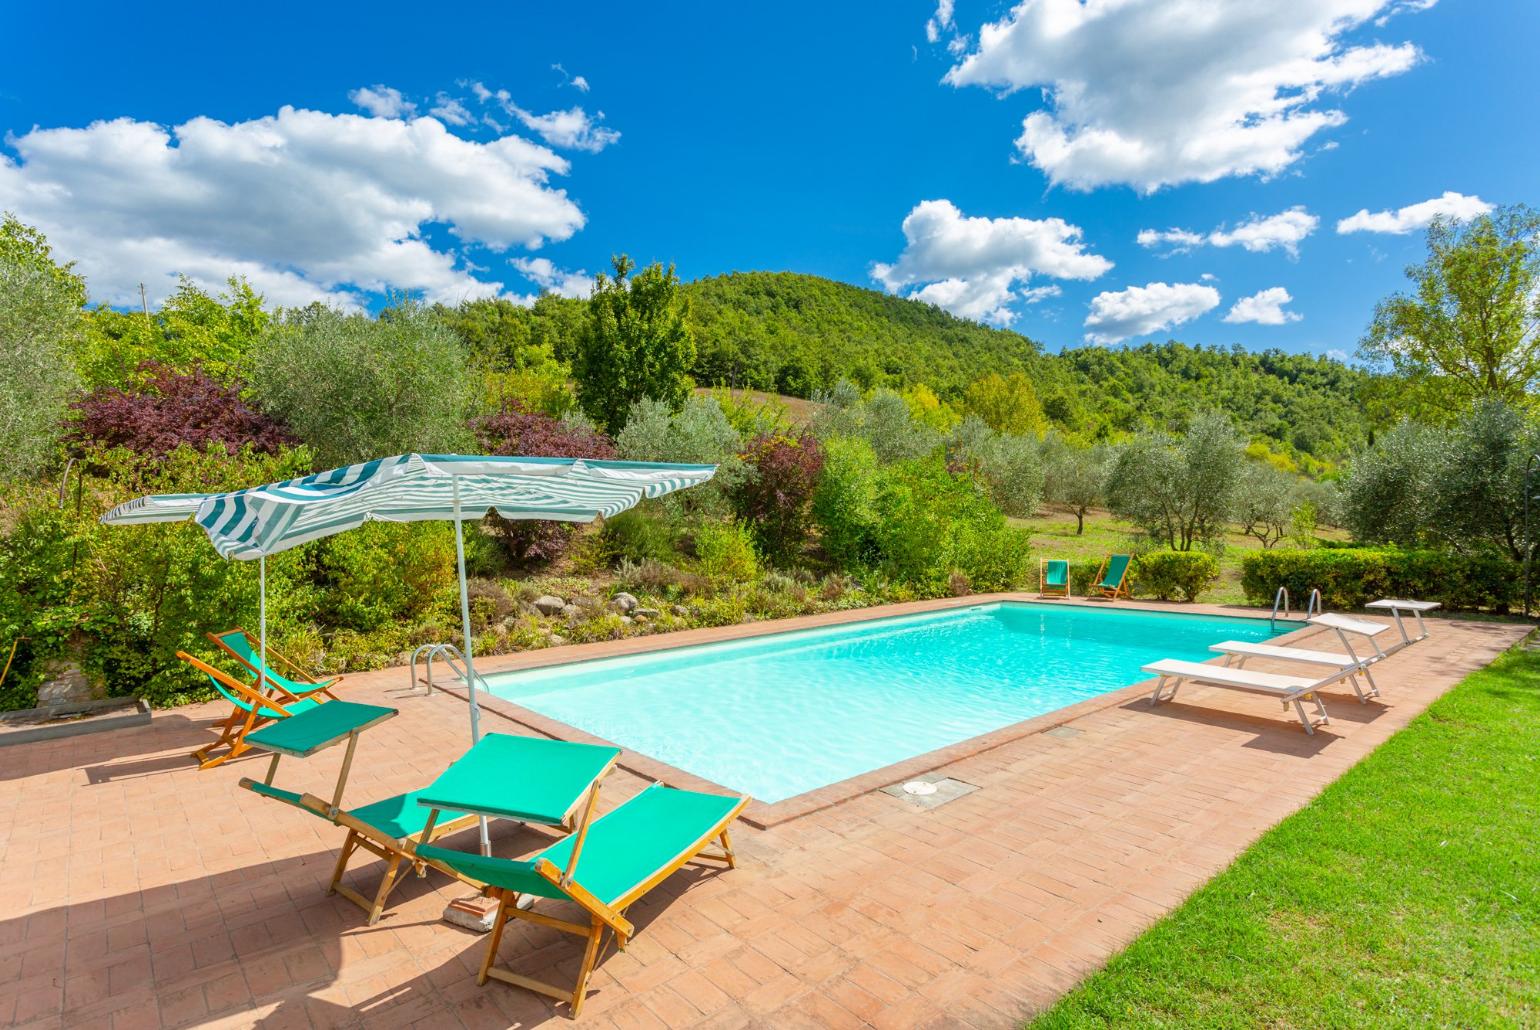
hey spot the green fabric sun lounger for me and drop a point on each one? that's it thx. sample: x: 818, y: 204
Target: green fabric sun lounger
x: 388, y: 829
x: 1112, y: 580
x: 621, y: 857
x: 1053, y: 578
x: 239, y: 645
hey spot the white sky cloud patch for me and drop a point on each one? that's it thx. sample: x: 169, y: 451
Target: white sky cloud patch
x: 941, y: 21
x: 307, y: 205
x: 1150, y: 93
x: 451, y: 110
x: 382, y: 101
x: 577, y: 82
x: 572, y: 129
x: 1283, y: 231
x: 978, y: 267
x: 1141, y: 310
x: 1415, y: 216
x: 1263, y: 308
x: 547, y: 276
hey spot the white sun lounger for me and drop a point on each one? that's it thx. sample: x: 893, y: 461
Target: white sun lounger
x: 1291, y: 690
x: 1369, y: 631
x: 1237, y: 651
x: 1398, y: 607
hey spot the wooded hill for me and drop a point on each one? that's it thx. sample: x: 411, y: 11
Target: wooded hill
x: 796, y: 333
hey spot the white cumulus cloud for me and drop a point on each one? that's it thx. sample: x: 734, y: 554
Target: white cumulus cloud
x: 572, y: 129
x: 1283, y: 231
x: 1152, y: 308
x: 382, y: 101
x: 1415, y: 216
x: 1151, y: 93
x: 307, y: 205
x: 547, y: 276
x: 977, y: 267
x: 1264, y: 308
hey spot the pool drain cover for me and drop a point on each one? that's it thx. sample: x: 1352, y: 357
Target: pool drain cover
x: 927, y: 794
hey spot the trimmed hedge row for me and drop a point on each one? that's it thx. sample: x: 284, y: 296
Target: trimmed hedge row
x: 1351, y: 577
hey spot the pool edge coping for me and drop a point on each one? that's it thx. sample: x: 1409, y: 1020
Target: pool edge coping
x: 762, y: 815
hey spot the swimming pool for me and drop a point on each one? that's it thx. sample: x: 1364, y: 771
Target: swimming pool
x: 778, y: 715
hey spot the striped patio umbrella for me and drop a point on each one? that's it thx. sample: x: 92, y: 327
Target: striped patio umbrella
x: 264, y: 520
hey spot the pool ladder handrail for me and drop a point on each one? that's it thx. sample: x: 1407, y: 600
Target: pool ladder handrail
x: 1313, y: 606
x: 451, y: 656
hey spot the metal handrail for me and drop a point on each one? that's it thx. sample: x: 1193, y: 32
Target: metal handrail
x: 451, y: 656
x: 1280, y: 598
x: 1315, y: 606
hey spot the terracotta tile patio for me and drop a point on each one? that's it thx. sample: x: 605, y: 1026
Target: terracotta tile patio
x: 140, y: 892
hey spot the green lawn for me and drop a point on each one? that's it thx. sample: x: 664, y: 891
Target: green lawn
x: 1407, y: 894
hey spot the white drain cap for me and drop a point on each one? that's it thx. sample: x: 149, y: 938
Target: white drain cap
x: 919, y: 788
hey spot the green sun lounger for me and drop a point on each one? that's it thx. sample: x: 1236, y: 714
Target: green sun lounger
x: 249, y: 710
x: 1053, y: 578
x: 240, y: 646
x: 1112, y: 580
x: 623, y: 855
x: 388, y: 829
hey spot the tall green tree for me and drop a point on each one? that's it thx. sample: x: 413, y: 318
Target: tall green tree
x: 39, y: 322
x: 1180, y: 492
x: 1007, y: 404
x: 1470, y: 326
x: 635, y: 344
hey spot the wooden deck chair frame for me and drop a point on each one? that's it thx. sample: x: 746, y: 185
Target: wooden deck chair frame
x: 1113, y: 593
x: 393, y: 851
x: 299, y: 674
x: 602, y: 919
x: 248, y: 711
x: 1043, y: 589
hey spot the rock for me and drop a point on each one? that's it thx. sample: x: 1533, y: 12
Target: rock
x: 584, y: 601
x: 572, y: 612
x: 556, y: 639
x: 679, y: 611
x: 65, y: 684
x: 645, y: 613
x: 547, y: 604
x: 623, y: 602
x: 627, y: 619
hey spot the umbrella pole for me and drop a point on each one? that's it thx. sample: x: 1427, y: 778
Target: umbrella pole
x: 465, y: 630
x: 262, y: 623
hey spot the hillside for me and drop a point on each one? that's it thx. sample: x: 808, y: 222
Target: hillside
x: 795, y: 333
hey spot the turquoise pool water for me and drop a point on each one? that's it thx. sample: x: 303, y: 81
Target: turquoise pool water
x: 782, y: 714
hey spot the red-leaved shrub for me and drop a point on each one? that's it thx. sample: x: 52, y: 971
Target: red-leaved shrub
x: 171, y: 408
x: 774, y: 500
x: 515, y: 430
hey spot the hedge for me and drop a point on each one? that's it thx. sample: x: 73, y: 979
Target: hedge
x: 1351, y: 577
x: 1169, y: 575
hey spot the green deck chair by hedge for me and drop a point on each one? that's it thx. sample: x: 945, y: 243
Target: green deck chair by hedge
x: 1112, y: 581
x: 623, y: 855
x: 241, y: 646
x: 250, y: 709
x: 1053, y: 577
x: 388, y: 829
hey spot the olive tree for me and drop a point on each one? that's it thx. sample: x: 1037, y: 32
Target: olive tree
x: 1265, y: 502
x: 1390, y: 489
x: 1181, y: 492
x: 1074, y: 476
x: 1010, y: 466
x: 39, y: 322
x: 356, y: 388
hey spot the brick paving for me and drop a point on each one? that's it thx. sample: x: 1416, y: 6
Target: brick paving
x: 141, y: 892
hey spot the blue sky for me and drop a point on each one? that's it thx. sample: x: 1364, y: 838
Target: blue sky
x: 783, y: 137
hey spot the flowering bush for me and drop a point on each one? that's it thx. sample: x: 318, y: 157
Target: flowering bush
x: 169, y: 409
x: 516, y: 430
x: 774, y: 500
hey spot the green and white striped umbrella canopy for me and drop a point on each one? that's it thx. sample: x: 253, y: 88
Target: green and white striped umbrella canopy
x: 263, y: 520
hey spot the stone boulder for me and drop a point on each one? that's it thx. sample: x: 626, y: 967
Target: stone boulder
x: 623, y: 602
x: 548, y: 604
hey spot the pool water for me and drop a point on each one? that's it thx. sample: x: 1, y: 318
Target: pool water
x: 779, y: 715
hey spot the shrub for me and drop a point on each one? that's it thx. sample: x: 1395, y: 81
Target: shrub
x: 356, y: 388
x: 170, y: 409
x: 1169, y: 575
x: 774, y: 500
x: 699, y: 432
x: 725, y: 553
x: 515, y: 430
x: 845, y: 503
x: 640, y: 535
x: 1349, y: 577
x: 39, y: 322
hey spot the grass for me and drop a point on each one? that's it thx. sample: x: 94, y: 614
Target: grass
x: 1054, y: 536
x: 1408, y: 893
